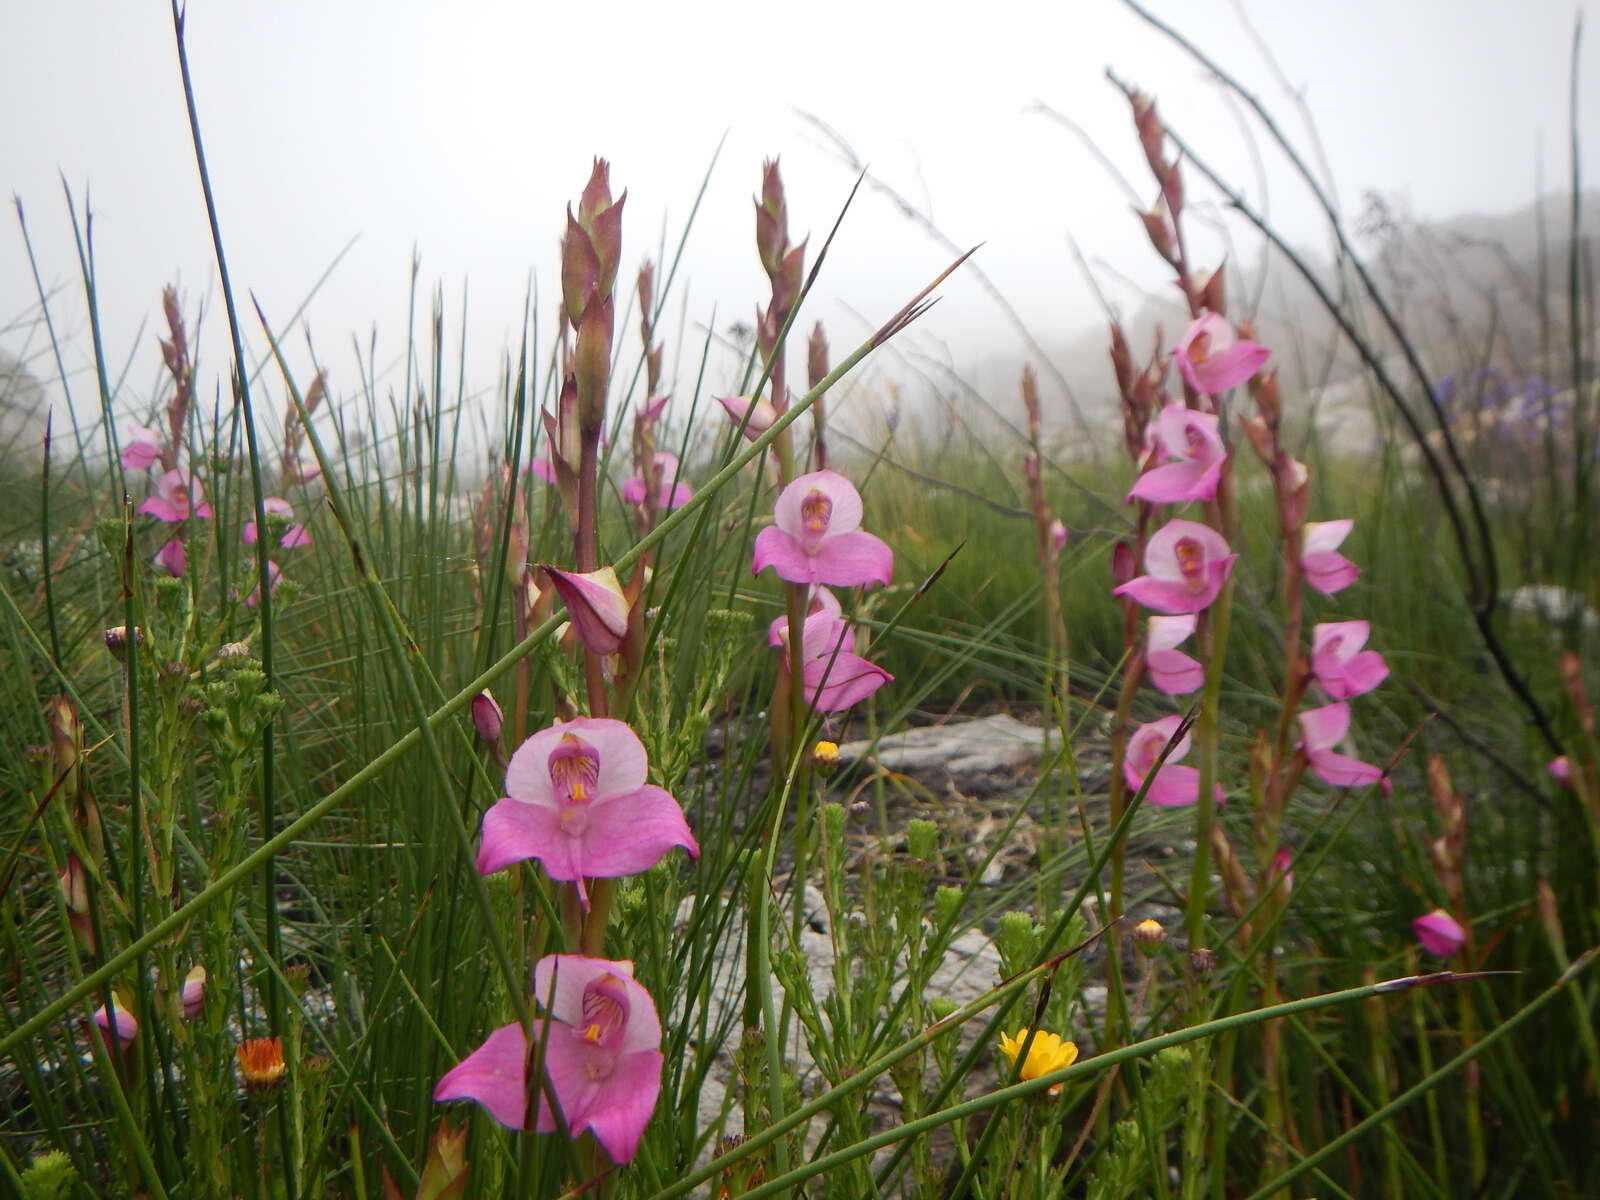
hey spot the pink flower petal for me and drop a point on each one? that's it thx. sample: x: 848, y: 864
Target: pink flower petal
x: 1145, y: 745
x: 1233, y: 366
x: 542, y: 468
x: 127, y: 1027
x: 1339, y: 770
x: 1178, y: 483
x: 1560, y: 770
x: 633, y: 490
x: 1168, y: 633
x: 618, y: 1116
x: 853, y: 559
x: 762, y: 414
x: 821, y: 601
x: 514, y: 832
x: 630, y: 833
x: 294, y: 537
x: 1320, y: 537
x: 278, y: 507
x: 1174, y: 672
x: 1440, y: 934
x: 1178, y: 787
x: 1329, y: 572
x: 143, y: 448
x: 596, y: 604
x: 779, y: 550
x: 1166, y: 596
x: 495, y: 1075
x: 173, y: 558
x: 1325, y: 727
x: 842, y: 680
x: 162, y: 510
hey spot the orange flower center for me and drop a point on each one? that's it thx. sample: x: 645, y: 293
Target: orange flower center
x: 1192, y: 563
x: 816, y: 510
x: 574, y: 769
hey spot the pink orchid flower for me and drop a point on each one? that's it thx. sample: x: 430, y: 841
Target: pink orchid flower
x: 126, y: 1025
x: 1326, y: 569
x: 820, y: 600
x: 597, y: 605
x: 173, y: 558
x: 761, y: 411
x: 1058, y: 536
x: 294, y: 536
x: 542, y: 468
x: 1440, y: 934
x: 143, y: 448
x: 1560, y: 770
x: 835, y: 677
x: 1171, y: 670
x: 670, y: 493
x: 1191, y: 439
x: 815, y: 537
x: 1321, y: 729
x: 178, y: 497
x: 274, y: 578
x: 1174, y: 786
x: 1211, y: 358
x: 1187, y: 564
x: 1342, y: 668
x: 601, y: 1042
x: 576, y: 800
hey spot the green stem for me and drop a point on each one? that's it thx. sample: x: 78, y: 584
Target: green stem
x: 1386, y: 1112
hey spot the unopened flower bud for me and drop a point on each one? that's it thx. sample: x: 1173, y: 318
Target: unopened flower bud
x: 193, y: 996
x: 1148, y: 934
x: 487, y: 717
x: 825, y: 756
x: 1058, y: 536
x: 1159, y: 231
x: 1202, y: 962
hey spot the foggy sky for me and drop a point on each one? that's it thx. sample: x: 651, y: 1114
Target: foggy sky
x: 465, y: 129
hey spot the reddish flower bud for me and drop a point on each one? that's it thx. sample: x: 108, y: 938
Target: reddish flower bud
x: 580, y: 270
x: 1123, y: 564
x: 487, y: 718
x: 1159, y: 231
x: 1150, y: 131
x: 596, y: 193
x: 787, y: 282
x: 1172, y: 190
x: 1213, y: 298
x: 817, y: 357
x: 772, y: 220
